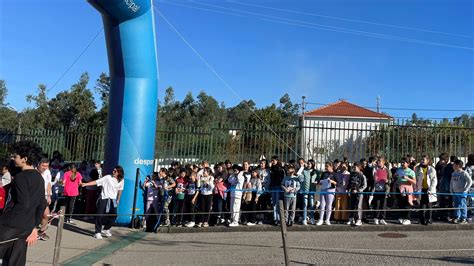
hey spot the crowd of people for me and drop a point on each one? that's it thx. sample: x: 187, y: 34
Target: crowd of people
x: 344, y: 193
x: 367, y: 191
x: 65, y: 184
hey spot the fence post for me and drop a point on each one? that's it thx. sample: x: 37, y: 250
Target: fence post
x: 59, y: 235
x: 283, y: 232
x: 134, y: 206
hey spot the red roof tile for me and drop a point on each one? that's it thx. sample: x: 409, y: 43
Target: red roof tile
x: 345, y: 109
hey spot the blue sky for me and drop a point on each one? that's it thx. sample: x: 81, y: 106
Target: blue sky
x: 423, y: 58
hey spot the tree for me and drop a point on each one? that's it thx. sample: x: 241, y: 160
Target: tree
x: 241, y: 112
x: 8, y: 116
x: 40, y: 114
x: 3, y: 93
x: 289, y: 110
x: 102, y: 87
x: 75, y: 107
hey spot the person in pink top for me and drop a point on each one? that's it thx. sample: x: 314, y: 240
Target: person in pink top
x: 72, y: 181
x: 381, y: 189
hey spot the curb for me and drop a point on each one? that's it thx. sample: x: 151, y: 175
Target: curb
x: 323, y: 228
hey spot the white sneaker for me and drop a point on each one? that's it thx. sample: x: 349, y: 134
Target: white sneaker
x: 222, y: 220
x: 320, y: 222
x: 358, y: 223
x: 327, y: 222
x: 190, y: 224
x: 233, y: 224
x: 400, y: 221
x: 97, y: 236
x: 376, y: 221
x: 383, y: 222
x: 305, y: 223
x: 106, y: 233
x: 351, y: 221
x: 199, y: 224
x: 312, y: 221
x: 406, y: 222
x: 205, y: 225
x: 250, y: 224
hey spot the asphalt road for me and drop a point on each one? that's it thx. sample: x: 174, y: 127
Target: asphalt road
x: 319, y: 245
x: 430, y: 247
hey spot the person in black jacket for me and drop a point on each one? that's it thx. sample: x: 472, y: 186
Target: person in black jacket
x: 25, y: 206
x: 276, y: 177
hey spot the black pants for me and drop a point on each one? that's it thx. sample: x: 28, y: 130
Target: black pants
x: 263, y: 203
x: 70, y: 200
x: 425, y: 203
x: 380, y: 203
x: 251, y: 207
x: 403, y: 204
x: 107, y: 220
x: 205, y: 207
x: 13, y: 252
x: 445, y: 201
x: 189, y: 207
x: 179, y: 207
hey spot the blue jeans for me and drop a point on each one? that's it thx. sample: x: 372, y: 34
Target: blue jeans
x: 275, y: 199
x: 460, y: 203
x: 308, y: 204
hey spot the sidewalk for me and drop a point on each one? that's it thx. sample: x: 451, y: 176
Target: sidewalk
x: 78, y: 247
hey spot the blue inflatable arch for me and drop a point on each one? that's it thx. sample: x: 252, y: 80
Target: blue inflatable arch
x: 130, y: 140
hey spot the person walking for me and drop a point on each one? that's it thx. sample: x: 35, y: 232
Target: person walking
x: 72, y: 181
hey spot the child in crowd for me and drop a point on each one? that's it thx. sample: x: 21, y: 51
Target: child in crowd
x: 236, y: 181
x: 192, y: 193
x: 290, y: 186
x: 405, y: 180
x: 460, y: 184
x: 357, y: 184
x: 381, y: 189
x: 180, y: 195
x: 166, y: 184
x: 220, y: 195
x: 151, y: 191
x: 328, y: 187
x: 206, y: 186
x: 253, y: 189
x: 342, y: 199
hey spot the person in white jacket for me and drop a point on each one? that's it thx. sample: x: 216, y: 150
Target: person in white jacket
x: 236, y: 181
x: 426, y: 182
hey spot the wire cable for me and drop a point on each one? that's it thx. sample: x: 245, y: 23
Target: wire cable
x: 226, y: 84
x: 305, y: 24
x: 350, y: 20
x: 77, y: 58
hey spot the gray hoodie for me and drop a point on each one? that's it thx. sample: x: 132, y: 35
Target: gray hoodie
x: 460, y: 182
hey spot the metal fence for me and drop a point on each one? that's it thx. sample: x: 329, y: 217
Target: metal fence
x: 392, y: 140
x: 238, y: 142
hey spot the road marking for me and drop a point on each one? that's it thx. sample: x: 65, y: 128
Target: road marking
x: 103, y: 251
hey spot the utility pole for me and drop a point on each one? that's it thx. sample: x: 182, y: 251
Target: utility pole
x: 378, y: 103
x: 303, y: 137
